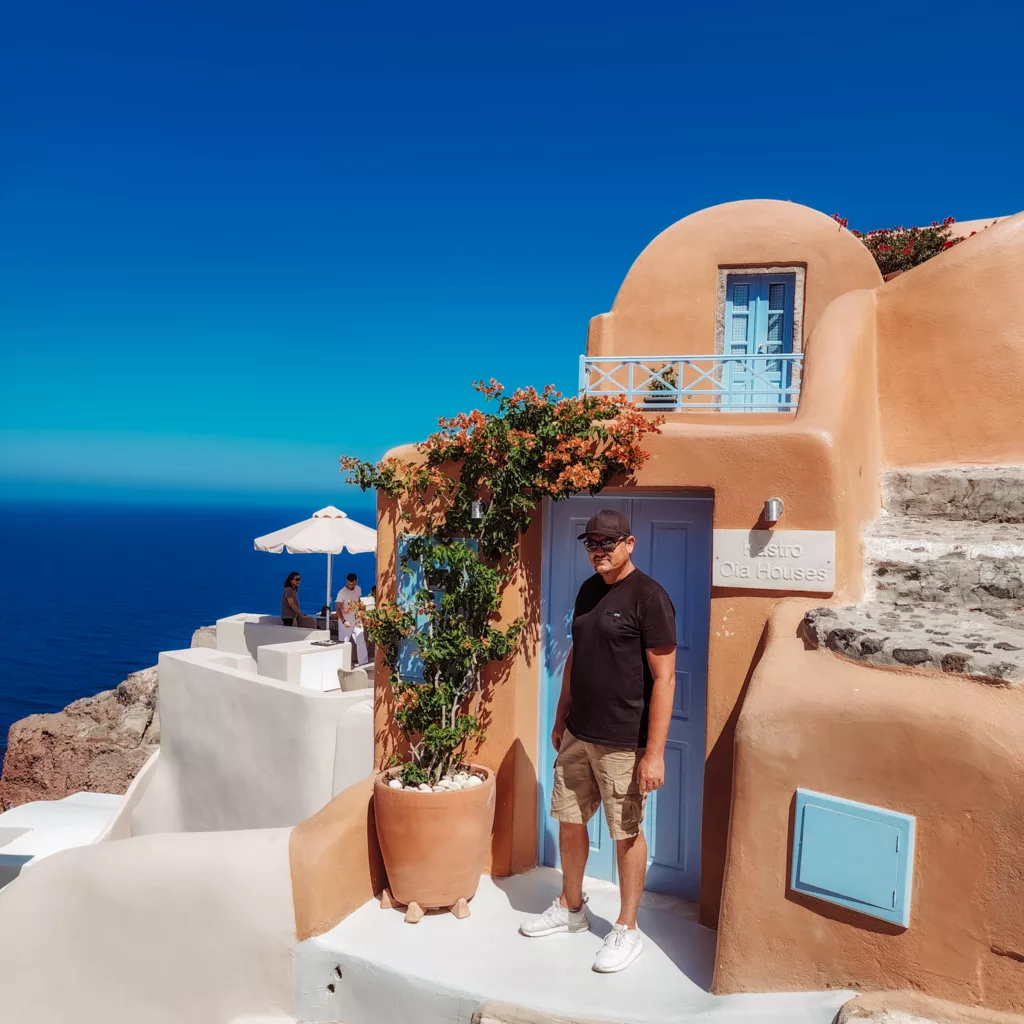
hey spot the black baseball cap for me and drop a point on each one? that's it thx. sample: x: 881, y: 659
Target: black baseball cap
x: 607, y: 523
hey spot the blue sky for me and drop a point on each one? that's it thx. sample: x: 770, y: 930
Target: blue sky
x: 237, y: 240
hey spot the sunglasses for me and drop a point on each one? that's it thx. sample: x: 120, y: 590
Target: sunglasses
x: 608, y: 545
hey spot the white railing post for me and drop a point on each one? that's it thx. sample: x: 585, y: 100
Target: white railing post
x: 747, y: 378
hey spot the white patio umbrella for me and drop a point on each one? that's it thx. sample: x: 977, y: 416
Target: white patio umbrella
x: 328, y: 532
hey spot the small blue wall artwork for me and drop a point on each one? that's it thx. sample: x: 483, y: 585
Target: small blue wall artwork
x: 854, y: 855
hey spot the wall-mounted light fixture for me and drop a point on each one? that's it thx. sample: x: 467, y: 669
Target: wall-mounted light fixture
x: 773, y: 509
x: 477, y: 509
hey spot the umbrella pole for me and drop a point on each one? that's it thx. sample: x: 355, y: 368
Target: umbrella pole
x: 330, y: 558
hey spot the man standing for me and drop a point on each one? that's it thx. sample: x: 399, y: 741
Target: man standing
x: 349, y: 626
x: 610, y: 730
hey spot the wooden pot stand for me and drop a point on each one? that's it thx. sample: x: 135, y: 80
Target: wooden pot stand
x: 414, y: 912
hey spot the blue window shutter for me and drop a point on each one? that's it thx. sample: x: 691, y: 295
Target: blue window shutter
x: 738, y: 318
x: 854, y: 855
x: 410, y: 664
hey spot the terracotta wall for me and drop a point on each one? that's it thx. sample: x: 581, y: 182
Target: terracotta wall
x: 951, y: 354
x: 335, y: 861
x: 510, y: 747
x: 741, y: 465
x: 914, y: 371
x: 741, y: 460
x: 948, y: 750
x: 667, y: 302
x: 823, y: 462
x: 966, y: 228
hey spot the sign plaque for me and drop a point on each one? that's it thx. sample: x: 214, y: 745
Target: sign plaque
x: 801, y: 560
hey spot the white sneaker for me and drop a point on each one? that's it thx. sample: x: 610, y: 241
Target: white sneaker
x: 556, y: 919
x: 621, y: 947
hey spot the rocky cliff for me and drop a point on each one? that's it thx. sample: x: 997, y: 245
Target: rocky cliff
x: 96, y: 744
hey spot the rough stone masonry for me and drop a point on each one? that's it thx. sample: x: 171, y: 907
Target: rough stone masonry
x: 944, y: 577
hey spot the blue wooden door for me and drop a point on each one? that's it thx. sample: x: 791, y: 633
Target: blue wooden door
x: 673, y: 544
x: 758, y: 324
x: 566, y: 566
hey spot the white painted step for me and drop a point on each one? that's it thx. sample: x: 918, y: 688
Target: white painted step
x: 375, y: 969
x: 32, y: 831
x: 262, y: 1018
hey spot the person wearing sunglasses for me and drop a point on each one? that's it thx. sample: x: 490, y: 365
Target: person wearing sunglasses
x: 290, y: 614
x: 610, y: 729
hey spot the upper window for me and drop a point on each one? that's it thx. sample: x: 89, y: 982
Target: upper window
x: 758, y: 325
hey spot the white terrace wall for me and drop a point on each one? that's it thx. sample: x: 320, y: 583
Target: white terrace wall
x: 195, y: 923
x: 242, y: 751
x: 162, y: 929
x: 246, y: 632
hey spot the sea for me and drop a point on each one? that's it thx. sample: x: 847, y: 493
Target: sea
x: 95, y: 591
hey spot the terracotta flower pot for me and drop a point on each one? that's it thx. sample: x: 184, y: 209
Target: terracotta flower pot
x: 433, y: 844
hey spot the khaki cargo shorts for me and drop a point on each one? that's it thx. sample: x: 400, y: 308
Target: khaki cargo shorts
x: 588, y: 775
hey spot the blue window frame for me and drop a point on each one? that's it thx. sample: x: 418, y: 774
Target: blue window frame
x: 758, y: 325
x: 854, y: 855
x: 410, y: 664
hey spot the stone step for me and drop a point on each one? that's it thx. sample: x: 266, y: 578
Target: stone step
x: 911, y: 560
x: 931, y: 637
x: 987, y: 494
x: 263, y: 1018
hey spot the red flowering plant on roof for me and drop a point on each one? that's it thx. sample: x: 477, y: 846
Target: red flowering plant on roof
x: 464, y: 504
x: 902, y: 248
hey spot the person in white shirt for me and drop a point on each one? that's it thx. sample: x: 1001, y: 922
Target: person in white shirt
x: 349, y: 627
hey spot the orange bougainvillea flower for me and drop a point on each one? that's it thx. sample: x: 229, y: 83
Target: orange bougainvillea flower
x: 492, y: 389
x: 482, y: 475
x: 406, y: 700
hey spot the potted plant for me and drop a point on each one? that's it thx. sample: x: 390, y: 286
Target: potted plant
x: 463, y: 507
x: 663, y: 380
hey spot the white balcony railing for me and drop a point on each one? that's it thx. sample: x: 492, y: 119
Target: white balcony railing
x: 743, y: 383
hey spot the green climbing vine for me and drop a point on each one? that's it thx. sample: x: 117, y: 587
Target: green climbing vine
x: 463, y: 505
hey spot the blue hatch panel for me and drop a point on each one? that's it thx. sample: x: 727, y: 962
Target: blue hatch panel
x: 855, y: 855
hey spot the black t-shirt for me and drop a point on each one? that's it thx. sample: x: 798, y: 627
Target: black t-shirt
x: 611, y: 681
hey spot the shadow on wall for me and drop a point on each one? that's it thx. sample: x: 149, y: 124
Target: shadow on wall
x: 530, y: 589
x: 718, y: 779
x: 388, y: 742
